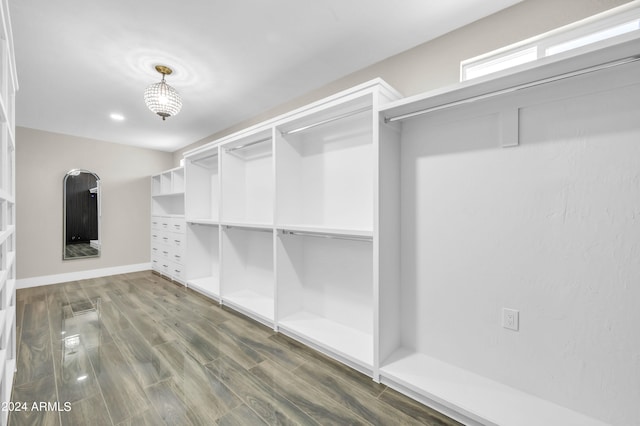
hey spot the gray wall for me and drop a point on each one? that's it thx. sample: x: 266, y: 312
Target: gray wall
x: 42, y: 159
x: 437, y: 63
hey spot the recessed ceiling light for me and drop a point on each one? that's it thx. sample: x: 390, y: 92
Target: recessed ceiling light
x: 116, y: 117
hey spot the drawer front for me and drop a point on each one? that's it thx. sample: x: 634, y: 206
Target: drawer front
x: 177, y: 241
x: 164, y: 266
x: 156, y: 236
x: 177, y: 225
x: 176, y: 256
x: 177, y: 271
x: 155, y: 223
x: 155, y: 263
x: 165, y: 223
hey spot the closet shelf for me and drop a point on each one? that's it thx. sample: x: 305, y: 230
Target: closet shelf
x: 254, y: 304
x: 169, y: 194
x: 472, y: 395
x: 350, y: 344
x: 206, y: 285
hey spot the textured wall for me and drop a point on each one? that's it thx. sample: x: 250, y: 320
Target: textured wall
x: 42, y: 160
x: 550, y: 228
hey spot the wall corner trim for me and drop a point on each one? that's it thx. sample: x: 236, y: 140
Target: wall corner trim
x: 80, y: 275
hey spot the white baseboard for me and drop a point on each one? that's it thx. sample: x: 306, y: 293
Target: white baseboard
x: 80, y: 275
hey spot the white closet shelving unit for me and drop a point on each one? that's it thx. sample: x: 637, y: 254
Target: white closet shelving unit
x: 167, y: 224
x: 8, y: 88
x: 318, y: 223
x: 282, y: 221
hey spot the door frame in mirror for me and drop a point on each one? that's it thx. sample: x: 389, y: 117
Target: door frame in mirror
x: 94, y: 247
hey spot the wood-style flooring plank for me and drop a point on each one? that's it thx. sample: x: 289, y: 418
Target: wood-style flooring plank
x: 199, y: 344
x: 257, y: 336
x: 166, y: 400
x: 35, y: 359
x: 272, y: 407
x: 244, y: 355
x: 37, y: 391
x: 423, y: 414
x: 149, y: 417
x: 35, y: 314
x: 351, y: 396
x: 123, y: 395
x: 315, y: 358
x: 89, y: 411
x: 147, y: 365
x: 241, y: 416
x: 314, y: 402
x: 202, y: 392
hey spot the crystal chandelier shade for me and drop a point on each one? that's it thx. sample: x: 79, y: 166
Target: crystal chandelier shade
x: 161, y: 98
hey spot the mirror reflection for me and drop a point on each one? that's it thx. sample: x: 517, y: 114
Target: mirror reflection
x: 81, y: 214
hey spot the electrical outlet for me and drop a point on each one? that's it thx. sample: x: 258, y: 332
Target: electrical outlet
x: 510, y: 319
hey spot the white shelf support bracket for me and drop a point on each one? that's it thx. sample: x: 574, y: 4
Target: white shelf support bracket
x: 510, y: 127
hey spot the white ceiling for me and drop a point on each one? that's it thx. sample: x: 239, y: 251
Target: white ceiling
x: 78, y: 61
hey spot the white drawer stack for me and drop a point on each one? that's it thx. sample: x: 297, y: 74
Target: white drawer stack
x: 167, y: 246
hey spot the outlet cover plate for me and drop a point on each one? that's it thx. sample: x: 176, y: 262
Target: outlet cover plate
x: 511, y: 319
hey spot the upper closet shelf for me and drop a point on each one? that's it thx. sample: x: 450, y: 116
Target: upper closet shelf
x: 607, y: 53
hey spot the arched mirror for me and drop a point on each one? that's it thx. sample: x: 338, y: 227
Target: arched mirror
x: 81, y: 214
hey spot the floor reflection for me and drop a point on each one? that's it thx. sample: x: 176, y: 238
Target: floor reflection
x: 81, y: 334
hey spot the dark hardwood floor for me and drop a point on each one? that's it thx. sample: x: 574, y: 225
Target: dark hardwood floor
x: 136, y: 349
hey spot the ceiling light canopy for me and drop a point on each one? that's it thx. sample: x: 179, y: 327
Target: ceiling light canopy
x: 161, y: 98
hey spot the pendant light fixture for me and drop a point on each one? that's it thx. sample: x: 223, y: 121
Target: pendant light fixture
x: 161, y: 98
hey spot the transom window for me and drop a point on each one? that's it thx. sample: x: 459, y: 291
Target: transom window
x: 585, y: 34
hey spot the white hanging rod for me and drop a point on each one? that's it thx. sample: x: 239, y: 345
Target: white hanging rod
x: 328, y: 120
x: 235, y: 148
x: 248, y: 228
x: 329, y: 236
x: 513, y: 89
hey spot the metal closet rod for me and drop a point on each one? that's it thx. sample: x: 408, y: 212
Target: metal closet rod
x: 248, y: 228
x: 235, y: 148
x: 196, y: 161
x: 328, y: 120
x: 514, y: 89
x: 329, y: 236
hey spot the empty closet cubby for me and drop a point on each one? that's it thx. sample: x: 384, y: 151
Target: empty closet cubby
x: 247, y: 180
x: 203, y: 259
x: 325, y: 169
x: 202, y: 187
x: 325, y: 294
x: 167, y: 192
x: 247, y: 282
